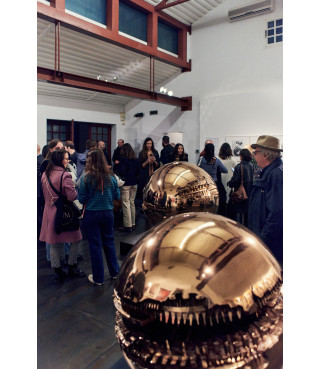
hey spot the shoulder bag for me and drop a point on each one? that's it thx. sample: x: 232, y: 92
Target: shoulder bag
x: 67, y: 216
x: 239, y: 195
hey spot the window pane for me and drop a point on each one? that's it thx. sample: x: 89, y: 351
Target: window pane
x: 105, y: 130
x: 62, y: 136
x: 168, y: 37
x: 62, y: 128
x: 92, y: 9
x: 132, y: 21
x: 93, y: 129
x: 271, y: 24
x: 270, y: 40
x: 279, y: 38
x: 279, y: 30
x: 93, y: 136
x: 99, y: 130
x: 270, y: 32
x: 55, y: 135
x: 49, y: 136
x: 55, y: 128
x: 279, y: 22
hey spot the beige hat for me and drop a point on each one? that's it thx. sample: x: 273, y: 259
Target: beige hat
x: 268, y: 142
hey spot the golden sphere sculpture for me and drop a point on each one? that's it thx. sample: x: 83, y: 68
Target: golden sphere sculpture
x: 200, y: 291
x: 179, y: 187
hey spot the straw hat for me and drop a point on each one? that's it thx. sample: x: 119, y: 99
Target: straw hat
x: 268, y: 142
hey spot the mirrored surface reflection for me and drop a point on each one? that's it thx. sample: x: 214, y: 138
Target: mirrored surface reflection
x: 179, y: 187
x: 200, y: 291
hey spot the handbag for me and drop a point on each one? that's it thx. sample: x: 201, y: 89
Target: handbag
x: 119, y: 180
x: 239, y: 195
x: 67, y: 215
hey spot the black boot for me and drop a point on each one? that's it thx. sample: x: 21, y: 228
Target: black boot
x: 60, y: 275
x: 75, y: 272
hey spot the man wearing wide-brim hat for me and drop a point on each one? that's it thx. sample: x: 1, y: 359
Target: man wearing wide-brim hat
x: 265, y: 217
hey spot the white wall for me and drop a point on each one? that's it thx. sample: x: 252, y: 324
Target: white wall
x: 235, y: 82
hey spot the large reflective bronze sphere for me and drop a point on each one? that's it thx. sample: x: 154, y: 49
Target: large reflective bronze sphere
x: 179, y: 187
x: 200, y: 291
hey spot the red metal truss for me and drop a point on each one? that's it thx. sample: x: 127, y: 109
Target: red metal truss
x: 72, y: 80
x: 164, y: 4
x: 56, y: 12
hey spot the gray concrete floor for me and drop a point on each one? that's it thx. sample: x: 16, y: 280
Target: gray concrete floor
x: 76, y: 319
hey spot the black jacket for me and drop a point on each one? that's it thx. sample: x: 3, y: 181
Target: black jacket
x: 128, y: 170
x: 265, y: 216
x: 177, y: 158
x: 165, y: 154
x: 116, y: 156
x: 235, y: 181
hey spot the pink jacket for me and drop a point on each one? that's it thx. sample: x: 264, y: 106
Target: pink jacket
x: 47, y: 233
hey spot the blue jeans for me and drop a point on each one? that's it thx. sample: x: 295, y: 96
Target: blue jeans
x: 98, y: 226
x: 66, y: 247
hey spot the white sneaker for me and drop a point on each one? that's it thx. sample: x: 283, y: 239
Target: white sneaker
x: 90, y: 278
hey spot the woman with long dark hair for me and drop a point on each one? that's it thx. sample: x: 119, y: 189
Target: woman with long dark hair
x: 240, y: 209
x: 128, y: 170
x: 210, y: 163
x: 149, y: 163
x: 214, y: 167
x: 225, y: 155
x: 52, y: 146
x: 57, y: 174
x: 98, y: 189
x: 179, y: 154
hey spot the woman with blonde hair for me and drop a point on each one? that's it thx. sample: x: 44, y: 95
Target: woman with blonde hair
x: 98, y: 189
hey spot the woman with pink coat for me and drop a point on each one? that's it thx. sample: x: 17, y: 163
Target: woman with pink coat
x: 55, y: 170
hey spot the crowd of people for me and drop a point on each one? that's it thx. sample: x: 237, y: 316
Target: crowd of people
x: 91, y: 180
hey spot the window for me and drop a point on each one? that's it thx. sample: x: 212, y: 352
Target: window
x: 101, y: 132
x: 168, y: 37
x: 92, y: 9
x: 274, y: 32
x: 58, y: 129
x: 132, y: 21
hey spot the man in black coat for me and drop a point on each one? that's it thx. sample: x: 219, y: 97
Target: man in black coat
x: 265, y: 216
x: 167, y: 150
x: 116, y: 154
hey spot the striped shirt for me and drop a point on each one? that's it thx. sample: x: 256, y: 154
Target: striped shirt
x: 100, y: 199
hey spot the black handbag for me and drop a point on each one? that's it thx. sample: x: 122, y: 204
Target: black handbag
x: 67, y: 216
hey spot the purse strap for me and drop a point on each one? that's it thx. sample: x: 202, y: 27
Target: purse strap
x: 54, y: 189
x: 241, y: 174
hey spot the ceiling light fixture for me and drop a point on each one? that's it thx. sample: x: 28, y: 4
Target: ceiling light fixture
x: 164, y: 90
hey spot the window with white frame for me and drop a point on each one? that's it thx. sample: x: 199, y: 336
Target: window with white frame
x: 274, y: 31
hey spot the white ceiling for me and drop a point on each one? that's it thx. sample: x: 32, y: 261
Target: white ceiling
x: 87, y: 56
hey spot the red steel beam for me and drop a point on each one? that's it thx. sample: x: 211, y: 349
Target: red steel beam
x: 72, y: 80
x: 163, y: 4
x: 111, y: 35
